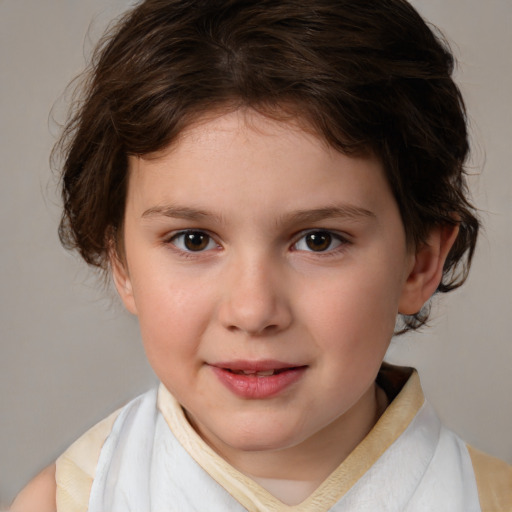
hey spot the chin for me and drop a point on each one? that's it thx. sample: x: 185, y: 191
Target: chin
x: 259, y: 435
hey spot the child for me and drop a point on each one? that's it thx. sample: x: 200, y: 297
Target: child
x: 270, y: 184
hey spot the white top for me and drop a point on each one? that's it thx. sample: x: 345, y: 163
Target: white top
x: 144, y: 467
x: 150, y: 459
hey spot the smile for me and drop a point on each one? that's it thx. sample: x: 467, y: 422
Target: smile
x: 262, y: 373
x: 259, y: 380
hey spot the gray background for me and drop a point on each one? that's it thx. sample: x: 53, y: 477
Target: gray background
x: 69, y: 354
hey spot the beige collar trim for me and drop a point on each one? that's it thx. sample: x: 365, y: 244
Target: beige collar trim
x: 255, y: 498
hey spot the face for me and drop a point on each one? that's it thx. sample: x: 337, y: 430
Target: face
x: 266, y: 271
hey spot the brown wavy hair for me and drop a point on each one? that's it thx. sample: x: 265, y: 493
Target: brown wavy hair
x: 367, y: 76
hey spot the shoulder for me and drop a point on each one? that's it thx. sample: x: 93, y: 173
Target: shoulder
x: 494, y: 481
x: 39, y: 495
x: 66, y: 484
x: 76, y: 467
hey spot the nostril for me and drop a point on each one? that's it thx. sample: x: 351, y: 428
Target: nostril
x: 265, y: 330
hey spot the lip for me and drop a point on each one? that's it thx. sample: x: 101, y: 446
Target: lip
x: 257, y: 387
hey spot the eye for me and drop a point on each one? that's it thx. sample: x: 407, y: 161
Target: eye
x: 193, y: 241
x: 319, y: 241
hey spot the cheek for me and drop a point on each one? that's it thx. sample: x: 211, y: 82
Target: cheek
x: 173, y: 313
x: 359, y: 298
x: 355, y: 313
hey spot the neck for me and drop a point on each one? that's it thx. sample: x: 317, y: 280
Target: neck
x: 290, y: 492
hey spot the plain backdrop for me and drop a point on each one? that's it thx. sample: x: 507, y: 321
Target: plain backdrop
x: 70, y: 354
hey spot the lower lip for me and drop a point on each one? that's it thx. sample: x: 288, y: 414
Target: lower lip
x: 255, y: 387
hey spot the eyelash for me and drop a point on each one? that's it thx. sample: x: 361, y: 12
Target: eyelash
x: 332, y: 238
x: 210, y: 244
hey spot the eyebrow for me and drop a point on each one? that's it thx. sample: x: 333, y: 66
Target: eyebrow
x: 346, y: 211
x: 179, y: 212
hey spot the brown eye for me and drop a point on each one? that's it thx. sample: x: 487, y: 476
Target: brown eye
x: 196, y: 241
x: 193, y: 241
x: 318, y: 241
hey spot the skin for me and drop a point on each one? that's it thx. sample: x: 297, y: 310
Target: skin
x: 256, y: 287
x: 38, y: 495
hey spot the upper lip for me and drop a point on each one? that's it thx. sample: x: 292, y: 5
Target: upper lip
x: 255, y: 366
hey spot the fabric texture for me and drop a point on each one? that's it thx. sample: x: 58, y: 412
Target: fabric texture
x: 76, y: 467
x: 148, y: 457
x: 494, y: 481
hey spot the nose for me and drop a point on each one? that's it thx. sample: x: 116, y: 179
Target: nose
x: 255, y: 300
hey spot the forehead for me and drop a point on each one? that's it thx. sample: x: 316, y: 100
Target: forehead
x: 244, y: 160
x: 244, y: 126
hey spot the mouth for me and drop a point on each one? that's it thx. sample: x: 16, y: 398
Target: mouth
x: 261, y: 368
x: 261, y: 373
x: 258, y: 380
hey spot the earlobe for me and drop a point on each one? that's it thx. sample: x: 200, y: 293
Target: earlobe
x: 427, y: 269
x: 123, y: 283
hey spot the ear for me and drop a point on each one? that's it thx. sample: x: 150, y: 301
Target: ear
x: 122, y: 281
x: 426, y: 269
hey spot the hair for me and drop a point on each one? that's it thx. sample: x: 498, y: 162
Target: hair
x: 368, y: 77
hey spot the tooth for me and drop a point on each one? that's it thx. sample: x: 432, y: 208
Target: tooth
x: 262, y: 373
x: 265, y: 373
